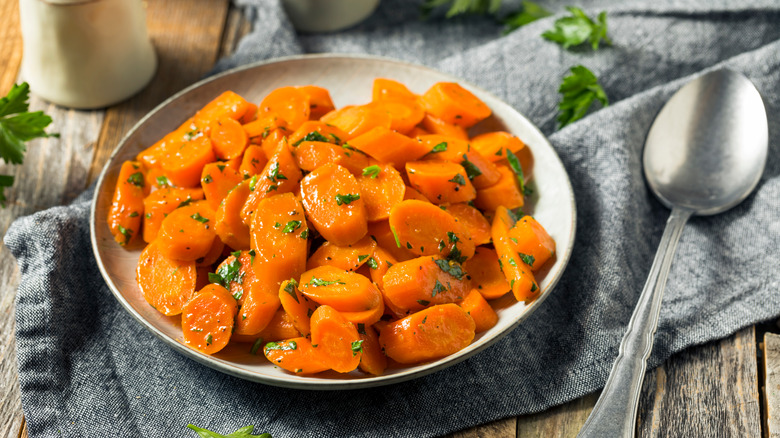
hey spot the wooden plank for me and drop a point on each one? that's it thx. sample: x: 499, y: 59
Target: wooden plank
x: 497, y: 429
x: 236, y: 27
x: 771, y: 385
x: 706, y: 391
x: 10, y: 44
x: 559, y: 422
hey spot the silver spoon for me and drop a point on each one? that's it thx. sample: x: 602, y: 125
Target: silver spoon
x: 704, y: 154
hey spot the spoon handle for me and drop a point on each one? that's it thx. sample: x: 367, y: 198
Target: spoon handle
x: 614, y: 415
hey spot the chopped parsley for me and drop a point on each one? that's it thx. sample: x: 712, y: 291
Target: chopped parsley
x: 361, y: 328
x: 441, y: 147
x: 316, y: 282
x: 346, y: 199
x: 256, y: 346
x: 452, y: 237
x: 185, y: 202
x: 357, y: 347
x: 305, y: 234
x: 209, y: 339
x: 229, y: 273
x: 252, y: 183
x: 423, y: 302
x: 451, y: 267
x: 372, y: 263
x: 527, y: 259
x: 395, y: 235
x: 199, y: 218
x: 289, y: 345
x: 291, y: 226
x: 136, y: 179
x: 438, y: 288
x: 372, y: 171
x: 512, y: 261
x: 514, y: 163
x: 134, y: 214
x: 163, y: 181
x: 362, y: 257
x: 290, y: 289
x: 458, y: 179
x: 128, y: 233
x: 274, y: 175
x: 207, y: 179
x: 314, y: 136
x: 472, y: 171
x: 252, y: 255
x: 534, y: 287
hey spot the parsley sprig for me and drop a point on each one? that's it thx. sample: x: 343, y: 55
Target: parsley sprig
x: 580, y: 91
x: 17, y: 126
x: 528, y: 13
x: 578, y: 28
x: 244, y: 432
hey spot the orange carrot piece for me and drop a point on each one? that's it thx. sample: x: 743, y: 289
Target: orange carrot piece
x: 357, y: 120
x: 444, y: 148
x: 227, y: 104
x: 348, y: 258
x: 155, y: 179
x: 505, y: 193
x: 425, y: 229
x: 253, y: 161
x: 298, y: 307
x: 166, y: 284
x: 280, y: 175
x: 207, y: 319
x: 187, y: 233
x: 258, y: 306
x: 265, y: 123
x: 127, y: 205
x: 343, y: 290
x: 493, y: 144
x: 486, y: 275
x: 454, y: 104
x: 153, y: 156
x: 418, y: 283
x: 366, y: 317
x: 484, y: 316
x: 211, y: 257
x: 481, y: 171
x: 532, y: 242
x: 404, y: 114
x: 274, y: 139
x: 389, y: 146
x: 517, y: 273
x: 373, y: 361
x: 417, y: 131
x: 439, y: 127
x: 309, y: 155
x: 202, y: 277
x: 475, y: 223
x: 331, y: 196
x: 314, y: 130
x: 337, y: 341
x: 228, y: 138
x: 320, y: 102
x: 290, y: 103
x: 281, y: 327
x: 183, y: 167
x: 228, y: 224
x: 442, y: 182
x: 383, y: 234
x: 379, y: 262
x: 217, y: 180
x: 249, y: 115
x: 294, y: 355
x: 412, y: 193
x: 237, y: 274
x: 430, y: 334
x: 381, y: 187
x: 162, y: 202
x: 384, y: 88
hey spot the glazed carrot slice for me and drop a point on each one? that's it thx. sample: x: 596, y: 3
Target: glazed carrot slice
x: 153, y: 156
x: 202, y: 276
x: 273, y: 140
x: 337, y: 341
x: 418, y: 283
x: 331, y: 196
x: 384, y: 236
x: 430, y: 334
x: 388, y: 146
x: 165, y: 283
x: 484, y: 316
x: 384, y: 88
x: 279, y: 223
x: 309, y: 155
x: 475, y: 223
x: 439, y: 127
x: 281, y: 327
x: 156, y: 179
x: 236, y: 273
x: 486, y: 275
x: 280, y: 175
x: 481, y: 171
x: 314, y: 130
x: 505, y: 193
x: 227, y: 104
x: 442, y: 182
x: 357, y: 120
x: 348, y: 258
x: 444, y: 148
x: 412, y: 193
x: 366, y: 317
x: 253, y: 161
x: 228, y: 224
x: 373, y: 361
x: 187, y: 233
x: 127, y: 205
x: 217, y: 180
x: 207, y: 319
x: 343, y: 290
x: 290, y: 103
x: 381, y: 187
x: 532, y: 242
x: 266, y: 122
x: 320, y: 102
x: 161, y: 202
x: 211, y: 257
x: 298, y: 307
x: 249, y: 115
x: 258, y: 306
x: 378, y: 264
x: 404, y: 114
x: 493, y: 144
x: 183, y: 166
x: 228, y: 138
x: 517, y: 273
x: 294, y: 355
x: 425, y: 229
x: 417, y: 131
x: 454, y: 104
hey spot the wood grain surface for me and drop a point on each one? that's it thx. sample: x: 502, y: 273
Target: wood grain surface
x: 771, y: 385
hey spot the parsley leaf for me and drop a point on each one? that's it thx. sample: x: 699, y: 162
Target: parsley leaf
x: 458, y: 179
x: 274, y: 175
x: 290, y: 289
x: 514, y: 164
x: 316, y: 282
x: 163, y: 181
x: 437, y: 288
x: 312, y: 136
x: 441, y: 147
x: 580, y: 90
x: 372, y: 263
x: 472, y: 171
x: 529, y: 13
x: 229, y: 273
x: 451, y: 267
x: 244, y: 432
x: 458, y: 7
x: 287, y: 345
x: 199, y: 218
x: 372, y: 171
x: 527, y: 259
x: 357, y: 347
x: 291, y: 226
x: 346, y: 199
x: 578, y: 28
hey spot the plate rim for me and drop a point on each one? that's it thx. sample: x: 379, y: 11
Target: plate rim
x: 335, y: 384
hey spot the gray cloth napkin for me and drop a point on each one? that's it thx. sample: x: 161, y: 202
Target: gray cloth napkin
x: 88, y: 369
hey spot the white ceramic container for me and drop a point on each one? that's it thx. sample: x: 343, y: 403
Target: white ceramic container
x: 327, y: 15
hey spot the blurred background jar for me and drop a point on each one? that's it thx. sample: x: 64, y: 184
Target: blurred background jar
x: 86, y: 53
x: 327, y: 15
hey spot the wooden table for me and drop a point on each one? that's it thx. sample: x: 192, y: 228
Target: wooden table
x: 706, y: 391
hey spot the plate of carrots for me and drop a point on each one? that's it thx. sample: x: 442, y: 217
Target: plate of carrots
x: 332, y: 221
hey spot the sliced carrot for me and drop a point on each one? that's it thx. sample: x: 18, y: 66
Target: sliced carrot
x: 298, y: 307
x: 366, y: 317
x: 454, y: 104
x: 384, y: 236
x: 320, y: 102
x: 265, y: 123
x: 227, y: 104
x: 127, y: 205
x: 404, y: 113
x: 418, y: 283
x: 493, y: 144
x: 373, y: 361
x: 253, y: 161
x: 379, y: 262
x: 249, y: 115
x: 236, y: 273
x: 156, y: 179
x: 475, y: 223
x: 153, y: 156
x: 258, y: 306
x: 343, y: 290
x: 280, y: 175
x: 211, y: 257
x: 331, y: 196
x: 425, y: 229
x: 207, y: 319
x: 430, y: 334
x: 187, y: 233
x: 389, y: 146
x: 314, y: 130
x: 348, y: 258
x: 228, y: 224
x: 281, y: 327
x: 505, y: 192
x: 166, y: 284
x: 294, y: 355
x: 384, y: 88
x: 381, y: 187
x: 444, y: 148
x: 532, y: 242
x: 217, y: 180
x: 271, y: 142
x: 517, y: 273
x: 357, y: 120
x: 161, y: 202
x: 484, y: 316
x: 481, y: 171
x: 442, y: 182
x: 309, y: 155
x: 183, y: 166
x: 335, y: 339
x: 228, y: 138
x: 290, y: 103
x: 202, y: 276
x: 486, y: 275
x: 439, y: 127
x: 412, y: 193
x: 417, y: 131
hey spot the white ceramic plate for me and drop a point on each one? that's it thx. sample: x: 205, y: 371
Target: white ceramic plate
x: 349, y: 79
